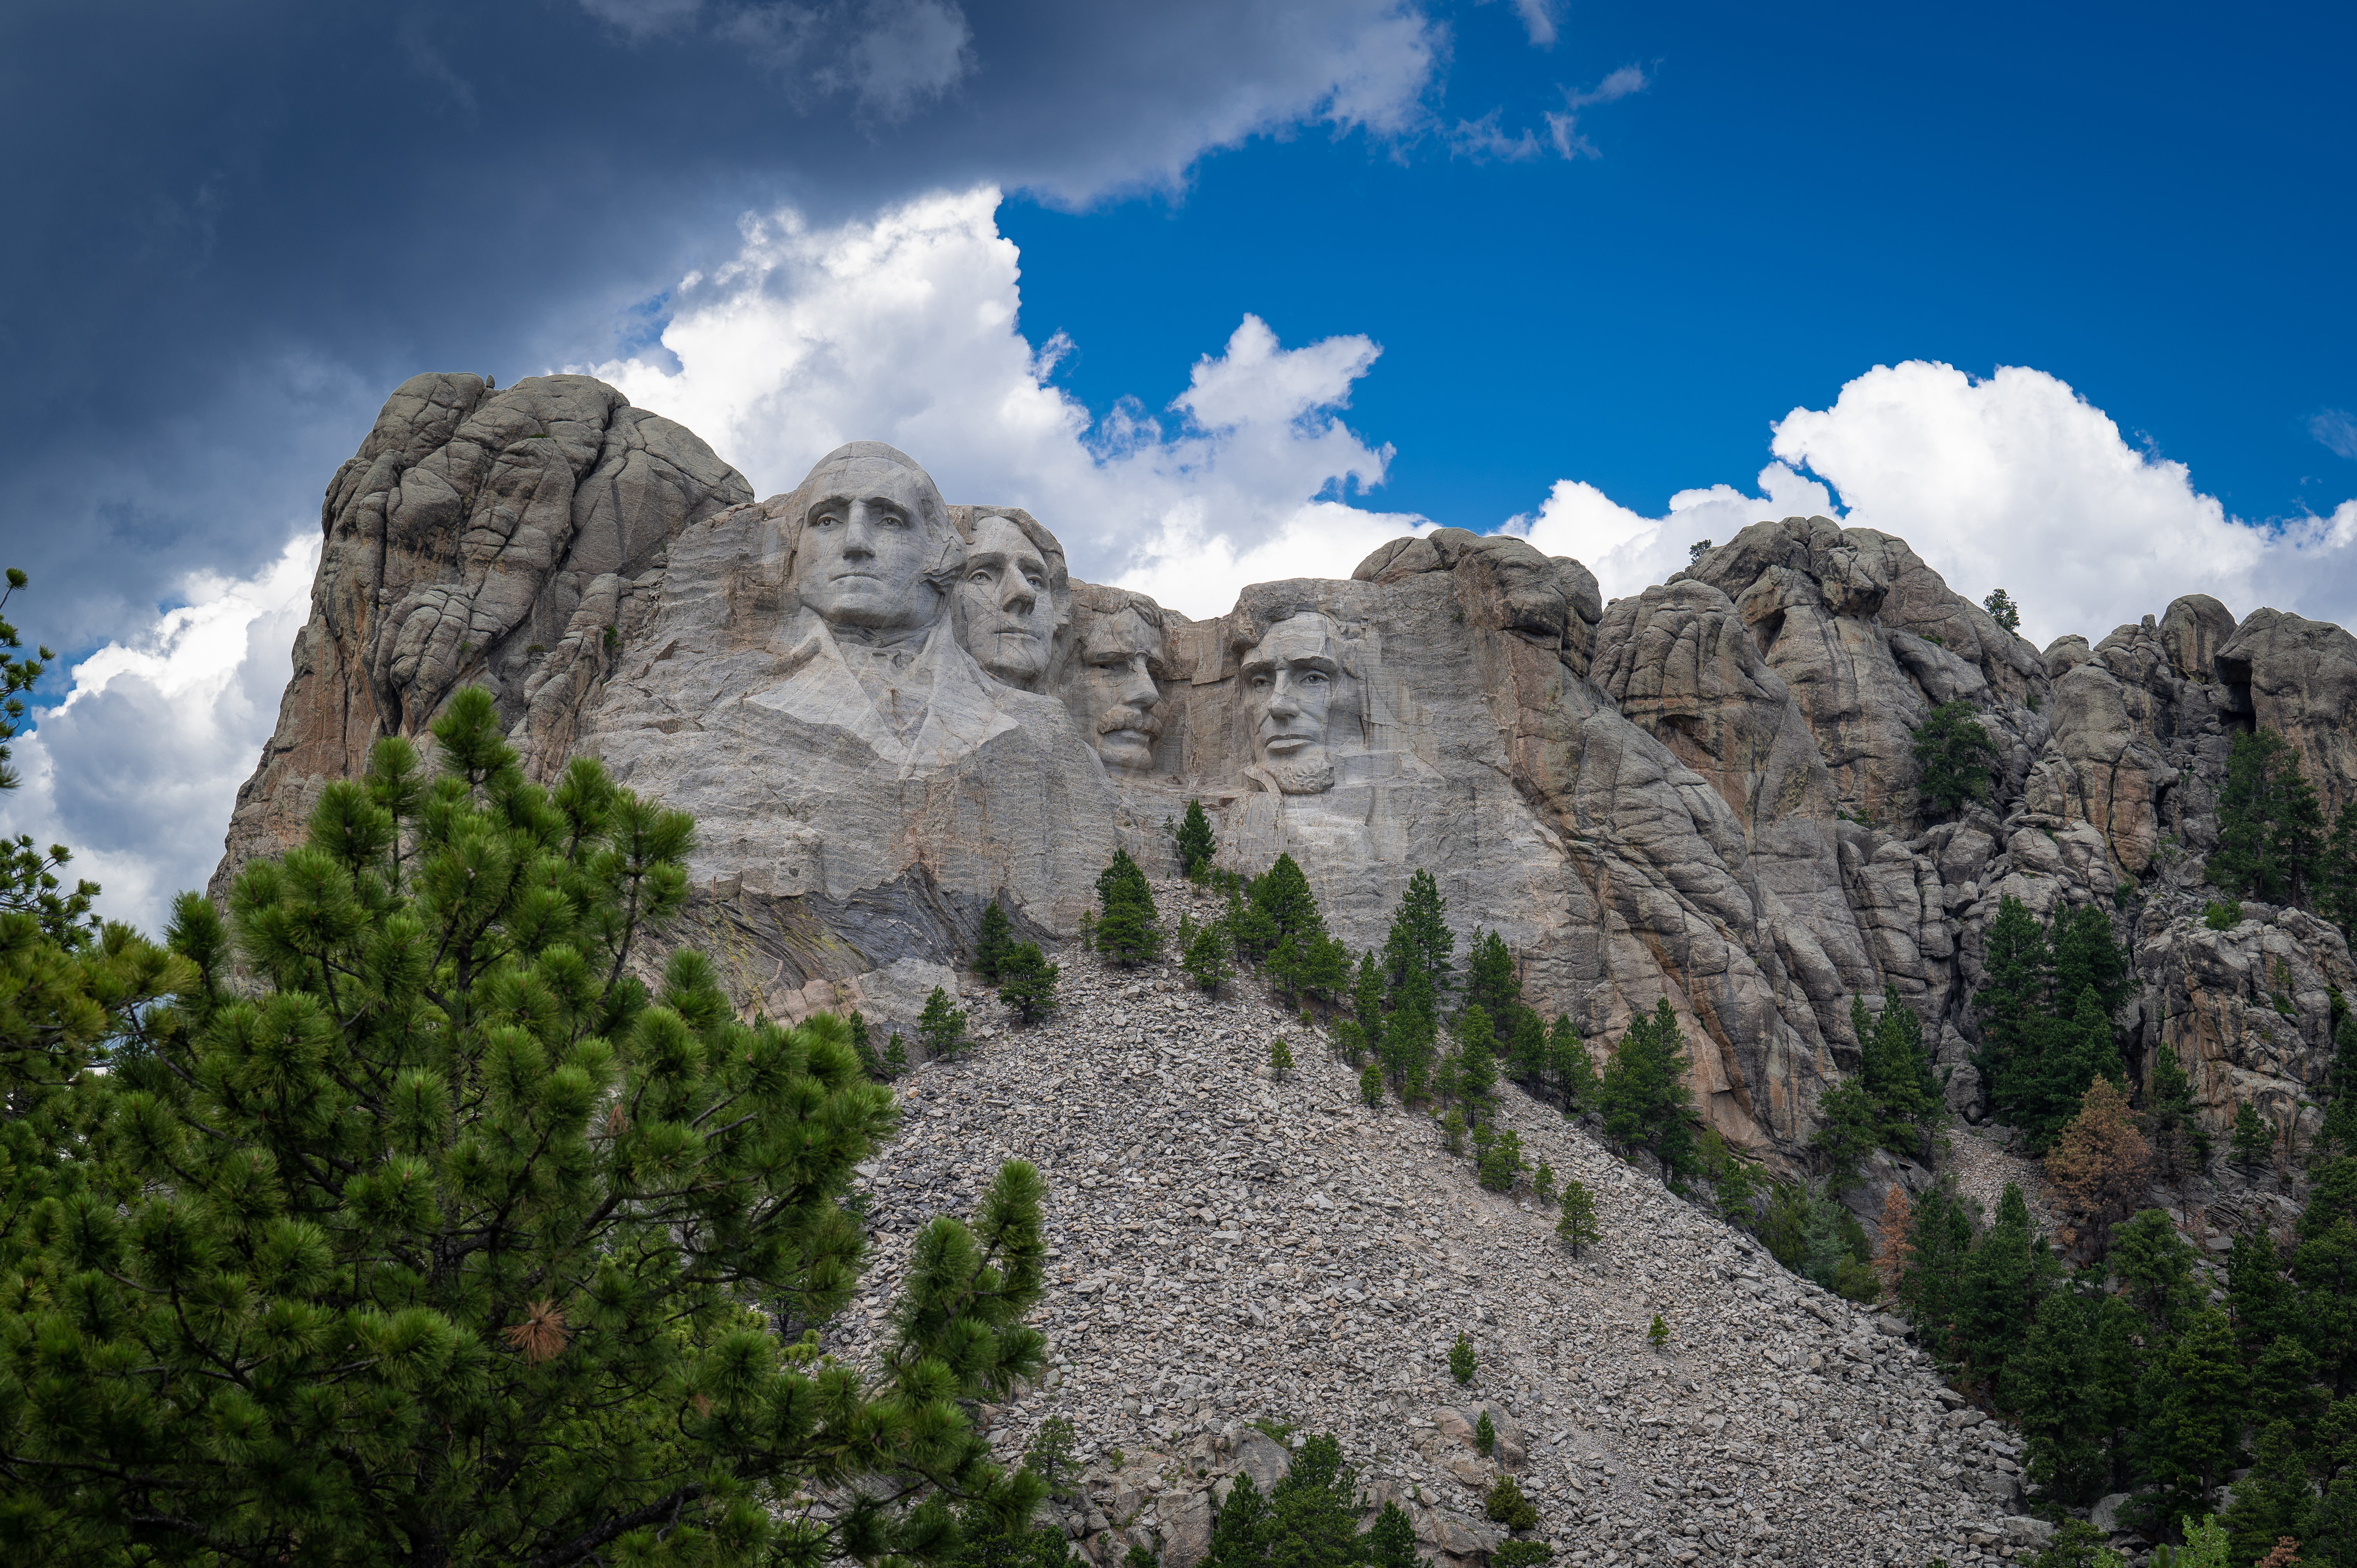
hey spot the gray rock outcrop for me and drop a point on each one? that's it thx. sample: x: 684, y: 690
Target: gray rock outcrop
x: 889, y: 711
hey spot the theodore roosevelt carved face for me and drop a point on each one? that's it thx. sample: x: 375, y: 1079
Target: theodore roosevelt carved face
x: 875, y: 541
x: 1120, y: 654
x: 1292, y: 681
x: 1009, y: 601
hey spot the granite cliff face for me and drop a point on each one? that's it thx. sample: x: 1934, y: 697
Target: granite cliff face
x: 887, y: 710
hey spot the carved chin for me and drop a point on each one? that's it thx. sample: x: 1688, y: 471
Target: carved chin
x: 1307, y: 772
x: 1017, y: 659
x: 1130, y: 748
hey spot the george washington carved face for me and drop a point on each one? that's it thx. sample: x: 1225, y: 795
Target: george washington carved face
x: 874, y: 540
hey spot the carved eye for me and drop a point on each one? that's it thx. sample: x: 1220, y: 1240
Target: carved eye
x: 1039, y: 582
x: 981, y: 575
x: 826, y: 520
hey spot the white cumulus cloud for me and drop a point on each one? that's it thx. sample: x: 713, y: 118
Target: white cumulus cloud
x: 2013, y: 482
x: 902, y: 328
x: 136, y: 768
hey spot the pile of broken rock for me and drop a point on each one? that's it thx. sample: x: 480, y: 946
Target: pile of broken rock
x: 1231, y: 1248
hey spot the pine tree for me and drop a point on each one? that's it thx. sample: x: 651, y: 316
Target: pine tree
x: 1370, y: 1084
x: 896, y: 1057
x: 2005, y: 1277
x: 2154, y: 1267
x: 1897, y: 1072
x: 1239, y: 1534
x: 1485, y: 1436
x: 1578, y: 1228
x: 1391, y: 1542
x: 1505, y: 1501
x: 1452, y: 1130
x: 1128, y: 926
x: 2254, y: 1139
x: 1420, y: 941
x: 1205, y: 959
x: 1569, y: 1066
x: 2274, y: 1500
x: 1367, y: 1000
x: 2338, y: 1134
x: 1931, y: 1285
x: 1501, y: 1165
x: 2002, y: 609
x: 1461, y: 1360
x: 1477, y: 1068
x: 1952, y: 752
x: 1280, y: 1059
x: 503, y: 1229
x: 991, y: 942
x: 1644, y: 1093
x: 2099, y: 1166
x: 1054, y: 1455
x: 1491, y: 980
x: 1195, y: 843
x: 1542, y: 1184
x: 2178, y: 1140
x: 1410, y: 1032
x: 1849, y: 1130
x: 2071, y: 1387
x: 2270, y: 828
x: 864, y: 1050
x: 941, y: 1029
x: 1027, y: 982
x: 1526, y: 1048
x: 2195, y: 1407
x: 1657, y: 1332
x: 1313, y: 1511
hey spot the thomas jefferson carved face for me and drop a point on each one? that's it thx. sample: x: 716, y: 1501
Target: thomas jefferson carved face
x: 1118, y: 656
x: 1006, y: 610
x: 870, y: 532
x: 1290, y: 682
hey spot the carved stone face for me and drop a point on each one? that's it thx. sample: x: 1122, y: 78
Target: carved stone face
x: 866, y: 546
x: 1290, y: 682
x: 1006, y: 614
x: 1118, y: 654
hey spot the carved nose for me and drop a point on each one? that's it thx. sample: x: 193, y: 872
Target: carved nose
x: 1280, y: 700
x: 1138, y: 690
x: 857, y: 536
x: 1018, y: 594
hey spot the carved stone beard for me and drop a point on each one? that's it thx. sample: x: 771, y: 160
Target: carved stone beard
x: 1312, y: 773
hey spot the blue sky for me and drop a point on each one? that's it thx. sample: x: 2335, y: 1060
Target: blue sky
x: 1223, y: 290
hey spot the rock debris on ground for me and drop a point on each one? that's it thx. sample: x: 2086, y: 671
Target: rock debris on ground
x: 1229, y: 1248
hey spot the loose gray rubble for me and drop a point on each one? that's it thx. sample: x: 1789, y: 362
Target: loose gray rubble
x: 1228, y: 1249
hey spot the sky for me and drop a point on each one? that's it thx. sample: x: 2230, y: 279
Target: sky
x: 1222, y: 292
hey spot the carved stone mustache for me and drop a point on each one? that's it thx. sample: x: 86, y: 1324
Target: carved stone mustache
x: 1115, y: 720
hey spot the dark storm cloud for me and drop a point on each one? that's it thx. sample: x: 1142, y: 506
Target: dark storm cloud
x: 235, y: 227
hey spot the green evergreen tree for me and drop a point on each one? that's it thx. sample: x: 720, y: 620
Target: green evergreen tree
x: 1542, y: 1184
x: 2194, y: 1400
x: 1367, y: 1000
x: 1570, y: 1068
x: 1526, y: 1048
x: 1205, y: 957
x: 1501, y: 1164
x: 991, y: 942
x: 1461, y: 1360
x: 1370, y: 1084
x: 2254, y: 1139
x: 1128, y: 926
x: 2336, y: 877
x: 2011, y: 1008
x: 1931, y: 1284
x: 2071, y: 1387
x: 1280, y: 1059
x: 2154, y: 1267
x: 2324, y: 1268
x: 1420, y: 942
x: 1578, y: 1228
x: 1410, y: 1033
x: 1735, y: 1182
x: 864, y: 1050
x: 896, y: 1057
x: 2178, y: 1140
x: 1505, y: 1501
x: 1485, y: 1435
x: 2338, y: 1134
x: 1657, y: 1332
x: 941, y: 1029
x: 2007, y: 1275
x: 1477, y: 1068
x: 1491, y: 980
x: 1849, y: 1128
x: 1195, y: 843
x: 2002, y: 609
x: 1897, y: 1072
x: 1239, y: 1532
x: 1313, y: 1512
x: 1644, y: 1093
x: 1952, y: 753
x: 2272, y: 1501
x: 1391, y: 1543
x: 2270, y: 828
x: 1452, y: 1130
x: 433, y: 1233
x: 1027, y: 982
